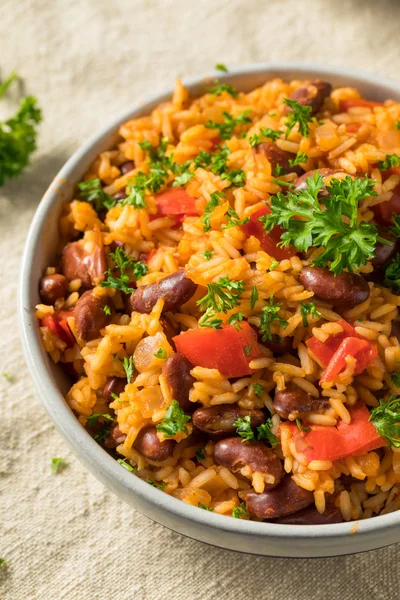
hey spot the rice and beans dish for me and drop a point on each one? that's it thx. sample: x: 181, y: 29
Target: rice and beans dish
x: 225, y: 301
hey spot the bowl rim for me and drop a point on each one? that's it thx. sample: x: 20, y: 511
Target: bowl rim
x: 99, y: 462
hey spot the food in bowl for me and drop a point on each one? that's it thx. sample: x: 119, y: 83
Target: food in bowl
x: 225, y: 301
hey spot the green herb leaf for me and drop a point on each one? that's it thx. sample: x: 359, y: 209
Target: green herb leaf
x: 308, y: 309
x: 391, y: 160
x: 221, y: 67
x: 395, y: 377
x: 397, y: 124
x: 220, y: 88
x: 156, y: 484
x: 253, y: 297
x: 205, y: 507
x: 222, y: 296
x: 236, y: 319
x: 6, y: 84
x: 226, y: 128
x: 240, y: 511
x: 124, y: 463
x: 237, y: 178
x: 392, y: 274
x: 92, y: 191
x: 122, y: 263
x: 200, y: 455
x: 92, y: 419
x: 161, y: 353
x: 278, y: 170
x: 301, y: 157
x: 347, y: 243
x: 129, y: 367
x: 243, y: 428
x: 264, y: 133
x: 18, y: 138
x: 3, y: 563
x: 209, y: 320
x: 301, y: 427
x: 258, y: 389
x: 269, y: 314
x: 233, y: 219
x: 215, y: 200
x: 58, y: 464
x: 396, y: 227
x: 283, y: 183
x: 247, y: 349
x: 107, y: 310
x: 300, y: 114
x: 208, y: 254
x: 174, y: 421
x: 386, y: 420
x: 264, y: 433
x: 273, y: 265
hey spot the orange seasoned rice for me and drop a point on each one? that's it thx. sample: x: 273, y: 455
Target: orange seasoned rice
x: 351, y: 142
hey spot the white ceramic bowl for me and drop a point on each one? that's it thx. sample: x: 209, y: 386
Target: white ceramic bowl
x: 235, y: 534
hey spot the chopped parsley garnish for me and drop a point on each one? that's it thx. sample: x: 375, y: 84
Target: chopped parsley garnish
x: 220, y: 88
x: 3, y: 563
x: 136, y: 191
x: 334, y: 226
x: 129, y: 367
x: 300, y: 114
x: 244, y: 430
x: 395, y: 377
x: 161, y: 353
x: 264, y: 133
x: 386, y: 420
x: 240, y: 511
x: 92, y: 420
x: 273, y: 265
x: 306, y: 309
x: 397, y: 124
x: 301, y: 427
x: 93, y: 192
x: 18, y: 135
x: 107, y: 310
x: 235, y: 319
x: 253, y: 297
x: 174, y: 421
x: 265, y: 433
x: 221, y: 67
x: 200, y: 455
x: 278, y: 170
x: 6, y: 84
x: 391, y: 160
x: 122, y: 263
x: 269, y: 314
x: 124, y: 463
x: 215, y: 200
x: 258, y: 389
x: 208, y: 254
x: 301, y: 157
x: 222, y: 296
x: 233, y: 219
x: 392, y: 274
x: 159, y: 486
x: 247, y: 349
x: 7, y: 376
x: 226, y: 128
x: 213, y: 161
x: 58, y: 464
x: 209, y: 320
x: 182, y: 174
x: 396, y: 227
x: 283, y: 183
x: 236, y: 177
x: 205, y: 507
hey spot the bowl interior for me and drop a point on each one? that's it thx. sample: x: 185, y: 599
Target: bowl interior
x: 41, y: 249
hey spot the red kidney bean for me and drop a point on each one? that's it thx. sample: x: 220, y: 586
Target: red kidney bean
x: 384, y: 253
x: 148, y: 443
x: 235, y: 454
x: 89, y: 316
x: 276, y: 156
x: 175, y: 290
x: 76, y: 263
x: 283, y: 500
x: 278, y: 345
x: 293, y: 402
x: 301, y: 183
x: 127, y: 166
x: 170, y: 330
x: 53, y: 287
x: 114, y: 385
x: 219, y: 420
x: 310, y: 516
x: 343, y: 291
x: 312, y: 94
x: 176, y: 371
x: 120, y: 195
x: 115, y: 438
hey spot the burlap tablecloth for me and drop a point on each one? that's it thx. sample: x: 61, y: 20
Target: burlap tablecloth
x: 66, y: 537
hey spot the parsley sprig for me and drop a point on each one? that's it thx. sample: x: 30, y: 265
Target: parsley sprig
x: 245, y: 431
x: 215, y: 200
x: 226, y: 128
x: 123, y: 263
x: 308, y: 308
x: 300, y: 114
x: 240, y: 511
x: 220, y: 88
x: 392, y: 274
x: 92, y: 191
x: 269, y: 314
x: 347, y: 243
x: 264, y: 133
x: 391, y: 160
x: 386, y: 420
x: 222, y: 296
x: 174, y: 421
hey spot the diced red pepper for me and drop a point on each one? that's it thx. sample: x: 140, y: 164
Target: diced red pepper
x: 175, y: 201
x: 269, y: 241
x: 383, y: 212
x: 215, y: 143
x: 229, y: 350
x: 353, y: 127
x: 58, y: 325
x: 362, y: 350
x: 333, y: 443
x: 344, y: 105
x: 324, y: 351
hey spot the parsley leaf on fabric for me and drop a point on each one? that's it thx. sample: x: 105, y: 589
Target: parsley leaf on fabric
x: 221, y: 67
x: 173, y: 421
x: 58, y: 464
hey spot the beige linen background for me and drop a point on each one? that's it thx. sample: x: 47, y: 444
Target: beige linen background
x: 66, y: 537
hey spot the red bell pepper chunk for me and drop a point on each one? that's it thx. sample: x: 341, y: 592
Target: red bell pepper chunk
x: 361, y: 349
x: 383, y: 212
x: 269, y: 241
x: 324, y: 351
x: 333, y: 443
x: 175, y: 201
x: 353, y: 127
x: 344, y: 105
x: 228, y: 349
x: 58, y: 325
